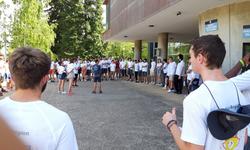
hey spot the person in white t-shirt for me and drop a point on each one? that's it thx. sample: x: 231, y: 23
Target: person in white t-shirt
x: 207, y: 55
x: 136, y: 68
x: 61, y: 77
x: 243, y: 83
x: 112, y: 69
x: 130, y: 69
x: 70, y: 76
x: 159, y: 66
x: 38, y: 124
x: 145, y: 71
x: 170, y: 73
x: 179, y: 74
x: 152, y: 71
x: 164, y: 76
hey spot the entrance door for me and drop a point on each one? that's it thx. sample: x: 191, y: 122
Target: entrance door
x: 246, y: 48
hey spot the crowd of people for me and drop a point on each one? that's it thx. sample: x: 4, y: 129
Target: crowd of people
x: 170, y: 75
x: 215, y: 116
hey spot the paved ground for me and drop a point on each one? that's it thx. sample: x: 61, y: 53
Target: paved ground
x: 127, y: 116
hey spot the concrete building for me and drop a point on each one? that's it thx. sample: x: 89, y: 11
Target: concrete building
x: 163, y: 21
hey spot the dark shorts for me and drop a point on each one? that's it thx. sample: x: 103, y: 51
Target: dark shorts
x: 104, y: 70
x: 62, y: 76
x: 97, y: 79
x: 75, y: 78
x: 144, y: 74
x: 88, y: 72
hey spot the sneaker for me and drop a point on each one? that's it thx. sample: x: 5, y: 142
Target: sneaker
x: 164, y: 88
x: 94, y: 92
x: 100, y: 92
x: 63, y: 92
x: 59, y: 92
x: 169, y: 91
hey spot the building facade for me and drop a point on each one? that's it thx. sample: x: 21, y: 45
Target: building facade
x: 164, y: 21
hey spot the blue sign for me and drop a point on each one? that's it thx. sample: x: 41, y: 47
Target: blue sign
x: 246, y: 31
x: 211, y: 25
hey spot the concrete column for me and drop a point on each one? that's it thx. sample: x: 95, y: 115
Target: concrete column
x: 163, y: 45
x: 138, y: 49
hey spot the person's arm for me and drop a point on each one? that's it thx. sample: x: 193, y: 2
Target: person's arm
x: 8, y: 141
x: 236, y: 69
x: 176, y: 132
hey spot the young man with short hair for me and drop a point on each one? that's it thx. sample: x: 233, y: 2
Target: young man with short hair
x: 207, y: 54
x: 97, y: 75
x: 40, y: 125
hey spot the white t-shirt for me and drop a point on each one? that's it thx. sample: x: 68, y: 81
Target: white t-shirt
x: 165, y: 68
x: 130, y: 64
x: 122, y: 64
x: 61, y: 69
x: 171, y: 68
x: 243, y: 83
x: 52, y: 65
x: 39, y: 125
x: 144, y: 67
x: 76, y: 67
x: 70, y: 68
x: 153, y: 64
x: 136, y: 67
x: 199, y: 103
x: 180, y: 68
x: 112, y: 67
x: 140, y: 66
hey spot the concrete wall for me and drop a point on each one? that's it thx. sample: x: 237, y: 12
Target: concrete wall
x: 231, y: 19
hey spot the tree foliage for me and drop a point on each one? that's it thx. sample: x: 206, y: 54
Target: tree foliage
x: 79, y: 28
x: 31, y: 28
x: 119, y: 50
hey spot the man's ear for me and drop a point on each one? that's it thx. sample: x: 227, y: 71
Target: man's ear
x: 44, y: 79
x: 201, y: 59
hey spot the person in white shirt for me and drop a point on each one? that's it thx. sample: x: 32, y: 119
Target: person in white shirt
x: 152, y: 71
x: 70, y: 76
x: 145, y: 71
x: 207, y: 55
x: 136, y: 68
x: 112, y: 69
x: 170, y: 73
x: 242, y: 82
x: 52, y: 71
x: 130, y: 69
x: 159, y: 71
x: 38, y: 124
x: 178, y: 77
x: 61, y: 77
x: 77, y: 66
x: 165, y: 71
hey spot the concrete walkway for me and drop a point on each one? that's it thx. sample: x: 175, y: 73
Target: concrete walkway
x: 127, y: 116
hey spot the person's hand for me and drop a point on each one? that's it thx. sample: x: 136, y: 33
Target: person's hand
x: 168, y: 116
x: 246, y: 58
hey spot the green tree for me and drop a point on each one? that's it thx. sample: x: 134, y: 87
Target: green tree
x: 79, y: 29
x: 31, y: 28
x: 93, y: 30
x: 119, y: 50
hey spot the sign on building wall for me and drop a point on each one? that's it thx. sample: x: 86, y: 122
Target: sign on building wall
x: 246, y: 31
x: 211, y: 25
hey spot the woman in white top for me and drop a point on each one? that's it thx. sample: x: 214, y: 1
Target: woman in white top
x: 158, y: 71
x: 112, y: 69
x: 70, y: 76
x: 61, y: 77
